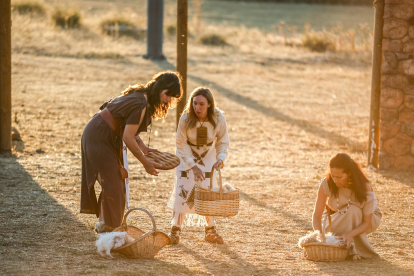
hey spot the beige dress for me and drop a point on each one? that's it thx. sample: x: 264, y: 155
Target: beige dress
x: 343, y: 223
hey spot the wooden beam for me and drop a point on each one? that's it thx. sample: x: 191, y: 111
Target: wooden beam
x: 374, y: 118
x: 5, y: 77
x: 182, y: 21
x: 155, y: 29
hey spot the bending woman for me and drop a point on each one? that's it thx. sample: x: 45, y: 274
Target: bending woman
x: 202, y: 142
x: 348, y: 193
x: 122, y: 120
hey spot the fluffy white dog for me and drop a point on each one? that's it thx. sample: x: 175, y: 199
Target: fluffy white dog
x: 108, y: 241
x: 316, y: 236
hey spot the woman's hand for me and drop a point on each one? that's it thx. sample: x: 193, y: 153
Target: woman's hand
x: 150, y: 167
x: 198, y: 174
x: 145, y: 150
x: 218, y: 164
x: 347, y: 238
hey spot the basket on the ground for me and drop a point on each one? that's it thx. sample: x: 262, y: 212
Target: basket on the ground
x: 145, y: 245
x: 323, y: 252
x: 212, y: 203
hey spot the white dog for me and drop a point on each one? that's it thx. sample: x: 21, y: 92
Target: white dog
x: 108, y: 241
x: 316, y: 236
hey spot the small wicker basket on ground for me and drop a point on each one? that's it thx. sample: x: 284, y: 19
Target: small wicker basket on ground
x: 219, y: 204
x: 145, y: 245
x: 323, y: 252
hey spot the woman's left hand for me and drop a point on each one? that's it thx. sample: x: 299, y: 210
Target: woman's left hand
x: 218, y: 164
x: 347, y: 238
x: 145, y: 150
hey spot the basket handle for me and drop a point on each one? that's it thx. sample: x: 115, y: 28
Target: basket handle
x: 219, y: 180
x: 154, y: 227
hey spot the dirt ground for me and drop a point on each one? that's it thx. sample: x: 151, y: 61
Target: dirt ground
x: 288, y: 111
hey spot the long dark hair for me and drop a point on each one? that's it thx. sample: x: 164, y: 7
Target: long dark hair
x: 348, y: 165
x: 164, y: 80
x: 212, y: 112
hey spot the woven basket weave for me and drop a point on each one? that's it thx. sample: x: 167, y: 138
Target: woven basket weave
x: 145, y: 245
x: 323, y: 252
x: 219, y: 204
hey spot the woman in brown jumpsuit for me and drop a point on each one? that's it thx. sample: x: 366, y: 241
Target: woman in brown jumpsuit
x: 129, y: 114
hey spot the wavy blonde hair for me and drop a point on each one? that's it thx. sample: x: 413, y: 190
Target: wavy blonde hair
x: 212, y: 111
x: 164, y: 80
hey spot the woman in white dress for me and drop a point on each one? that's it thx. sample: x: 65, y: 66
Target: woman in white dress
x: 202, y: 141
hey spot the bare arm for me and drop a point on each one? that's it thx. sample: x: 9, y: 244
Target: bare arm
x: 318, y: 210
x: 131, y: 143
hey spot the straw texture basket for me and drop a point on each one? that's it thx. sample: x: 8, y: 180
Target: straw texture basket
x: 145, y: 245
x: 219, y: 204
x: 323, y: 252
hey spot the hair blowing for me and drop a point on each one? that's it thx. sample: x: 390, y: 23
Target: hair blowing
x: 167, y: 80
x: 212, y: 112
x: 348, y: 165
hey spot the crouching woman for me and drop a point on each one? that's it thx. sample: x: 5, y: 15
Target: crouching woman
x: 348, y: 194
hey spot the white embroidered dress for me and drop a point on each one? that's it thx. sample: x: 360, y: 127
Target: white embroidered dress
x: 181, y: 200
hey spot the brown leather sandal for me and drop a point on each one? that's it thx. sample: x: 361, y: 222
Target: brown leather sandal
x: 212, y: 235
x: 175, y: 234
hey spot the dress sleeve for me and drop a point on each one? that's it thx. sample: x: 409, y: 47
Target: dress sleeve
x: 223, y: 140
x: 370, y: 204
x: 325, y: 187
x: 131, y: 108
x: 183, y: 149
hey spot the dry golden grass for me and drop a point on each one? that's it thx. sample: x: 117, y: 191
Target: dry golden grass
x: 288, y: 110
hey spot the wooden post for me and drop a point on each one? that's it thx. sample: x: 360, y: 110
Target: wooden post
x: 374, y: 118
x: 182, y: 15
x: 155, y: 29
x: 5, y: 77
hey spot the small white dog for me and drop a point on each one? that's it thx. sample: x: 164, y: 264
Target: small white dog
x: 316, y: 236
x: 108, y: 241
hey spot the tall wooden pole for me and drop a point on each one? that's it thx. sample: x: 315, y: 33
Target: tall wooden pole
x: 155, y: 29
x: 374, y: 118
x: 182, y: 15
x: 5, y: 77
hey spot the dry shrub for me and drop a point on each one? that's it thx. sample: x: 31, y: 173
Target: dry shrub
x: 171, y: 30
x: 318, y: 42
x: 29, y: 7
x: 119, y: 26
x: 288, y: 35
x: 213, y: 40
x: 339, y: 40
x: 67, y: 19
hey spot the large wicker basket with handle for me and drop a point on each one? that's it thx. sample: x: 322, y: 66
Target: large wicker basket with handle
x: 323, y: 252
x: 145, y: 245
x: 212, y: 203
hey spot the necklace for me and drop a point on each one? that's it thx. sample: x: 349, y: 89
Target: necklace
x: 202, y: 135
x: 337, y: 204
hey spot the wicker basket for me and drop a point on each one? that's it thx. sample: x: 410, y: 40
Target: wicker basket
x: 323, y: 252
x: 145, y: 245
x: 219, y: 204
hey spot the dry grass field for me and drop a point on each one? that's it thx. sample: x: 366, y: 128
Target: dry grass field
x: 288, y: 111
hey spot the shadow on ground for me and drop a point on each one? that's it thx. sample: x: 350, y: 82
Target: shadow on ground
x: 38, y: 236
x: 268, y: 111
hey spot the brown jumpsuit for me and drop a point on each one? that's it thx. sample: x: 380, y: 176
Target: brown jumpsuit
x: 101, y: 150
